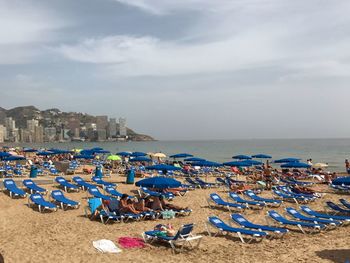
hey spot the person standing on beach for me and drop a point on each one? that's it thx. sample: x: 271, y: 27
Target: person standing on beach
x: 347, y: 166
x: 268, y: 177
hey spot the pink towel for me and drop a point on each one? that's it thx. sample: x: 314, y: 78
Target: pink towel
x: 131, y: 242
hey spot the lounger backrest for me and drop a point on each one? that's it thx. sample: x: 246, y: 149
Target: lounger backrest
x: 28, y: 182
x: 216, y: 222
x: 292, y: 211
x: 36, y: 198
x: 239, y: 218
x: 275, y: 215
x: 60, y: 180
x: 184, y: 231
x: 9, y: 182
x: 56, y: 193
x: 216, y: 198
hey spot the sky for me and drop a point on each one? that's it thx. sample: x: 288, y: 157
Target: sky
x: 184, y: 69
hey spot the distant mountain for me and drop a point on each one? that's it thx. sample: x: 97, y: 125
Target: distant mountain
x: 53, y: 116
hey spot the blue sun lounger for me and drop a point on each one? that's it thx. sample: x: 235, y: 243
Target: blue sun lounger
x: 13, y: 190
x: 309, y: 211
x: 101, y: 182
x: 111, y: 191
x: 58, y: 197
x: 243, y: 222
x: 336, y: 208
x: 285, y: 222
x: 195, y: 184
x: 65, y: 184
x: 267, y: 201
x: 238, y: 199
x: 182, y: 237
x: 329, y: 223
x: 93, y: 210
x: 222, y: 227
x: 344, y: 203
x: 144, y: 191
x: 288, y: 191
x: 33, y: 187
x: 288, y: 197
x: 38, y: 199
x: 217, y: 200
x: 202, y: 183
x: 82, y: 184
x: 97, y: 194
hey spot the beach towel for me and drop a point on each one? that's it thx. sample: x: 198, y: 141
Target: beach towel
x: 106, y: 246
x: 131, y: 242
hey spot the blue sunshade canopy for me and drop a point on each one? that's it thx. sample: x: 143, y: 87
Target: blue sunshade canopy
x: 241, y: 157
x: 14, y: 158
x: 181, y: 155
x: 138, y: 154
x: 4, y: 154
x: 207, y: 164
x: 288, y: 160
x: 194, y: 159
x: 254, y: 162
x: 345, y: 180
x: 295, y: 165
x: 262, y: 156
x: 239, y: 164
x: 162, y: 167
x: 29, y: 150
x: 159, y: 182
x: 123, y: 154
x: 45, y: 153
x: 140, y: 159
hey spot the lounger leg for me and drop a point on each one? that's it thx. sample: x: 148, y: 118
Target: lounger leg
x: 240, y: 237
x: 302, y: 230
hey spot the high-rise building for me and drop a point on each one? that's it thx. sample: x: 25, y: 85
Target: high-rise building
x: 102, y: 122
x: 2, y: 133
x: 112, y: 127
x: 25, y: 135
x: 101, y: 135
x: 38, y: 134
x: 12, y: 133
x: 31, y: 124
x: 74, y: 126
x: 122, y: 127
x: 50, y: 134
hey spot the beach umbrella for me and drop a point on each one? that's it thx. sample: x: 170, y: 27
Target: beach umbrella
x: 345, y: 180
x: 82, y: 156
x: 114, y: 158
x: 287, y: 160
x: 181, y: 155
x: 241, y: 157
x: 261, y: 156
x: 97, y: 149
x: 320, y: 165
x: 14, y: 158
x: 254, y: 162
x: 194, y: 159
x: 295, y: 165
x: 138, y: 154
x: 4, y: 154
x: 162, y: 167
x: 159, y: 182
x: 59, y: 151
x: 86, y: 152
x: 207, y: 163
x: 140, y: 159
x: 239, y: 164
x: 101, y: 151
x: 159, y: 155
x: 45, y: 153
x: 123, y: 154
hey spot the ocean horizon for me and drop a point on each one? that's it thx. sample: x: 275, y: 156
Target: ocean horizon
x: 332, y: 151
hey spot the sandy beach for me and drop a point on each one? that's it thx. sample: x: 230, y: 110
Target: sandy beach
x: 66, y: 236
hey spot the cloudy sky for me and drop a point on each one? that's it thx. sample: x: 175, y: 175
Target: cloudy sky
x: 184, y: 69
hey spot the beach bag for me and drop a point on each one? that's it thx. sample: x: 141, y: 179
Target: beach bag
x: 168, y: 214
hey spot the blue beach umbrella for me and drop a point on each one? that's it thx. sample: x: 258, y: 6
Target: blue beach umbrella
x: 181, y: 155
x: 101, y: 151
x: 162, y: 167
x: 194, y: 159
x: 87, y: 152
x: 345, y: 180
x: 97, y: 149
x: 140, y: 159
x: 45, y: 153
x: 159, y: 182
x: 207, y: 164
x: 254, y: 162
x: 295, y: 165
x: 123, y: 154
x: 4, y: 154
x: 287, y: 160
x: 138, y: 154
x: 14, y: 158
x: 262, y: 156
x: 241, y: 157
x: 239, y: 164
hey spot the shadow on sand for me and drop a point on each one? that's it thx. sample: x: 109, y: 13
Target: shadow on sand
x: 335, y: 255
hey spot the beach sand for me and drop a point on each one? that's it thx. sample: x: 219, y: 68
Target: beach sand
x: 66, y: 236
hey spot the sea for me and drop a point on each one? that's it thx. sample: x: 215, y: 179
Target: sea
x: 331, y: 151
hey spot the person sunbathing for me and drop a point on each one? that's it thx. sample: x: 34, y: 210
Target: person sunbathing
x: 160, y: 204
x: 126, y: 205
x: 302, y: 190
x: 240, y: 188
x: 142, y: 205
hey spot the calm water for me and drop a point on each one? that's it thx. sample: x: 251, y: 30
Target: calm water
x: 331, y: 151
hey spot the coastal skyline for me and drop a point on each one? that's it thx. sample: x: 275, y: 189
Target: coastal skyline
x: 183, y: 69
